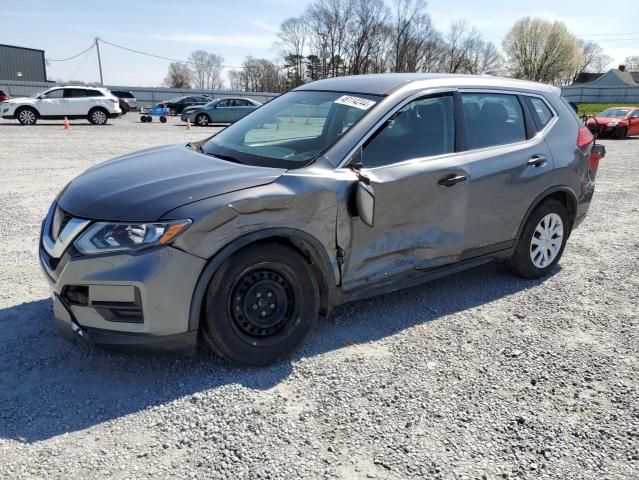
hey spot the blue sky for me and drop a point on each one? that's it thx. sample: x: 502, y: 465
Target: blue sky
x: 237, y: 28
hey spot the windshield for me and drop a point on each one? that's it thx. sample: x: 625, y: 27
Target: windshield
x: 36, y: 95
x: 292, y: 130
x: 615, y: 112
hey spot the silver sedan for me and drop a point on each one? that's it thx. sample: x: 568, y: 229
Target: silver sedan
x: 221, y: 110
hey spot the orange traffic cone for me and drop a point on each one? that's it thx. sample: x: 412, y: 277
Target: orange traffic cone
x: 66, y: 124
x: 188, y: 124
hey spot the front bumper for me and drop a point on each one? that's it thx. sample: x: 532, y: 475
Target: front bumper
x: 142, y: 298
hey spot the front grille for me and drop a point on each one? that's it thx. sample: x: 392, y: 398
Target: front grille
x: 60, y: 220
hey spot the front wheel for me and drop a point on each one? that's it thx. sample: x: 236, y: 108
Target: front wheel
x: 202, y: 120
x: 621, y: 132
x: 542, y: 241
x: 27, y: 116
x: 261, y: 304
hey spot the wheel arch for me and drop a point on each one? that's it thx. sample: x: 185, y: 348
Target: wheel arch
x: 206, y: 114
x: 564, y: 194
x: 27, y: 107
x: 305, y: 244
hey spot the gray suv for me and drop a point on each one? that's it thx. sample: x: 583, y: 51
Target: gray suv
x: 339, y: 190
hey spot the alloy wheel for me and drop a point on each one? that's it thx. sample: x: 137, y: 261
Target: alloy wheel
x: 546, y: 240
x: 27, y: 117
x: 202, y: 120
x: 99, y: 117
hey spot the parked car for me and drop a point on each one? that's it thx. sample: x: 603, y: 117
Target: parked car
x: 178, y: 104
x: 124, y: 106
x: 126, y: 97
x: 222, y: 110
x: 95, y: 104
x: 4, y: 96
x: 339, y: 190
x: 617, y: 122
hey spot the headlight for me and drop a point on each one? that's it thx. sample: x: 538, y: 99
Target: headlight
x: 104, y: 237
x: 612, y: 124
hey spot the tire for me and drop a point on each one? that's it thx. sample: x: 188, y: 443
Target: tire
x: 621, y: 132
x: 162, y: 119
x: 240, y: 324
x: 535, y: 260
x: 27, y: 116
x: 202, y: 120
x: 98, y: 116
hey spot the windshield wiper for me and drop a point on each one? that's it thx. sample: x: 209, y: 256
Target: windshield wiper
x: 228, y: 158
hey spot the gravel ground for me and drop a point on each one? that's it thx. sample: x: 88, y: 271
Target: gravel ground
x: 479, y: 375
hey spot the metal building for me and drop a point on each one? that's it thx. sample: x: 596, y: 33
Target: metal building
x: 22, y: 64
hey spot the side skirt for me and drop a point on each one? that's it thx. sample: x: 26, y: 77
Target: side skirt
x: 470, y: 259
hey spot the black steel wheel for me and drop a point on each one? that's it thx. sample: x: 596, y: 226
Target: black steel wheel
x: 261, y: 304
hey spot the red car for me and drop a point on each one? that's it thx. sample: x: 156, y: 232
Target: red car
x: 4, y: 96
x: 616, y: 122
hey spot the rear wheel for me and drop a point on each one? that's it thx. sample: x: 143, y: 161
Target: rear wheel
x: 542, y: 241
x: 27, y: 116
x: 261, y: 304
x: 98, y: 116
x: 202, y: 120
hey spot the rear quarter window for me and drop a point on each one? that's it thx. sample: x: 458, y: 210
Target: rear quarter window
x: 540, y: 111
x: 94, y: 93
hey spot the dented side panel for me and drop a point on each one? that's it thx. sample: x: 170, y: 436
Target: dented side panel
x: 418, y: 224
x: 304, y: 200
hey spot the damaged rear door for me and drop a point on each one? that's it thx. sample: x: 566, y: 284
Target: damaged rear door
x: 421, y: 190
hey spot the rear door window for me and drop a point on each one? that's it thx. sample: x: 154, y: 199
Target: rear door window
x: 74, y: 93
x: 493, y: 119
x: 94, y: 93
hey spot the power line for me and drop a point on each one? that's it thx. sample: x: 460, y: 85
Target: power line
x: 74, y: 56
x: 157, y: 56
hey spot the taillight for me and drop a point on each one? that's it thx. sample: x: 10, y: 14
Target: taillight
x: 584, y: 137
x: 114, y: 100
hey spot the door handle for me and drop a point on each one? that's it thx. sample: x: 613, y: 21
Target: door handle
x: 537, y: 160
x: 452, y: 179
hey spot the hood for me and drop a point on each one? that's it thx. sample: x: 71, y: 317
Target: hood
x: 21, y: 100
x: 604, y: 120
x: 190, y: 109
x: 142, y: 186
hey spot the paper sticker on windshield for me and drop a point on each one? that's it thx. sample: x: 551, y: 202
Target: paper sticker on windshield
x: 357, y: 102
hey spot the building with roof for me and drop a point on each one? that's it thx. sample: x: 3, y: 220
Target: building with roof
x: 614, y: 86
x: 22, y: 64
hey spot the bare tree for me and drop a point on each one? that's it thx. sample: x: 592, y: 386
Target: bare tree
x: 293, y: 36
x: 465, y: 51
x: 207, y: 69
x: 328, y: 25
x: 367, y: 33
x: 541, y: 50
x: 236, y: 81
x: 178, y: 76
x: 593, y: 58
x: 632, y: 63
x: 261, y: 75
x: 416, y: 44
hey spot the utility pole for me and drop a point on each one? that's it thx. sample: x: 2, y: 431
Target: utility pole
x: 97, y: 46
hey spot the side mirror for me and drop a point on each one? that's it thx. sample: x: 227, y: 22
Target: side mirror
x: 365, y: 201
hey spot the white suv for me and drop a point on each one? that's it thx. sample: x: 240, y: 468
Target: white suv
x: 95, y: 104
